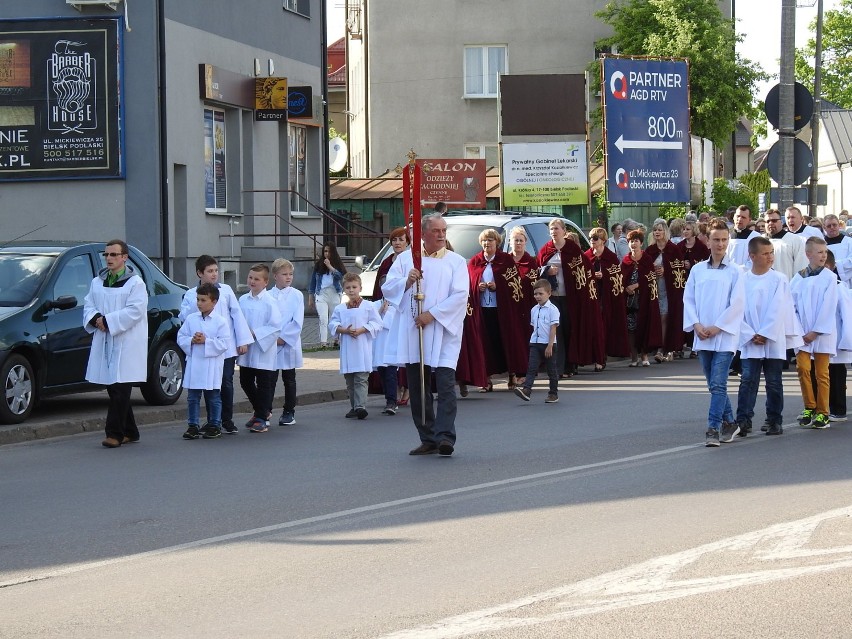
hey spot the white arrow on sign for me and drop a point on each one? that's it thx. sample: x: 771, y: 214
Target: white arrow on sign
x: 622, y: 144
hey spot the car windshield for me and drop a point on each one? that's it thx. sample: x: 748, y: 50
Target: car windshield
x: 21, y: 276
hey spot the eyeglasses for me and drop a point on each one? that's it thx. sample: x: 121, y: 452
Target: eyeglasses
x: 105, y: 254
x: 595, y: 238
x: 770, y: 220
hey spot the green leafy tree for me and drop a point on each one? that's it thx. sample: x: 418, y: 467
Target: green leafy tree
x: 722, y: 83
x: 836, y: 56
x: 732, y: 193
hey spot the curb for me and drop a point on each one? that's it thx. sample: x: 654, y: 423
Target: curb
x: 149, y: 417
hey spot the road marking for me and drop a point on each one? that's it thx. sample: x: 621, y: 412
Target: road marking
x: 341, y: 514
x: 656, y: 580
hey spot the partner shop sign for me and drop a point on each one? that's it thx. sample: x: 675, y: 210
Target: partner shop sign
x: 545, y: 174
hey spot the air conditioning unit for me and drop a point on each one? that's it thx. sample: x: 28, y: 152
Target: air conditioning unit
x: 79, y: 4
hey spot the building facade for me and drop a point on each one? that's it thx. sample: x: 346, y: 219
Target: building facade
x: 190, y: 159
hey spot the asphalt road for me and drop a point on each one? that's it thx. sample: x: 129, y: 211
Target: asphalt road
x: 600, y: 516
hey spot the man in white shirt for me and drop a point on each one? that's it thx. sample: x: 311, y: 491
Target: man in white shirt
x: 840, y: 246
x: 444, y: 281
x: 796, y: 224
x: 713, y: 307
x: 740, y: 236
x: 790, y: 255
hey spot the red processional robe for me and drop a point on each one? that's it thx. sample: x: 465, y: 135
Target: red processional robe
x: 692, y: 256
x: 384, y: 267
x: 613, y: 302
x: 586, y: 344
x: 649, y: 330
x: 470, y: 369
x: 675, y: 274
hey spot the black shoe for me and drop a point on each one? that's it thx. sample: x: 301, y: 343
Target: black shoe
x: 711, y: 437
x: 229, y: 427
x: 287, y: 419
x: 445, y: 448
x: 191, y: 432
x: 523, y: 393
x: 426, y: 448
x: 361, y: 412
x: 728, y: 432
x: 766, y: 426
x: 774, y: 429
x: 211, y: 432
x: 745, y: 428
x: 352, y: 414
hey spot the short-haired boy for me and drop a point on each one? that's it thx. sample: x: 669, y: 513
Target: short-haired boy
x: 544, y: 319
x: 713, y: 306
x: 764, y: 336
x: 291, y: 305
x: 814, y: 291
x: 357, y: 322
x: 204, y: 337
x: 258, y: 366
x: 239, y: 335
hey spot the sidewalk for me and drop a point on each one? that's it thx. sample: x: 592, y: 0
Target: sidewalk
x: 317, y: 381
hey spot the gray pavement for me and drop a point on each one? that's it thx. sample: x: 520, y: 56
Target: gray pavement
x: 318, y: 381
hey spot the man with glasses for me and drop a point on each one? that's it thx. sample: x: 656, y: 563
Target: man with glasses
x: 840, y: 246
x: 115, y: 311
x: 789, y: 248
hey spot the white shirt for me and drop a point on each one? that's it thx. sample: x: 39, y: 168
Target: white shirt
x: 488, y: 298
x: 229, y: 308
x: 291, y: 305
x: 768, y: 312
x: 806, y: 231
x: 842, y: 252
x: 738, y: 249
x: 556, y: 261
x: 204, y: 362
x: 542, y: 317
x: 264, y: 319
x: 380, y: 342
x: 356, y: 353
x: 714, y: 297
x: 789, y: 254
x: 815, y: 299
x: 844, y: 327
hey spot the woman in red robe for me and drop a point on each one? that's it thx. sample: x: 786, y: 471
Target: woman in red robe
x: 611, y: 297
x: 692, y: 251
x: 575, y: 295
x: 643, y: 312
x: 665, y: 259
x: 527, y: 267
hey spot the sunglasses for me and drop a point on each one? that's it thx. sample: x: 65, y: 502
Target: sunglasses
x: 105, y: 254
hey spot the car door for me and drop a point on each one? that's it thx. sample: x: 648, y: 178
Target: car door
x: 67, y: 342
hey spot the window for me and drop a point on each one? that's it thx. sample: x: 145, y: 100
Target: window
x: 298, y: 6
x: 482, y: 65
x: 486, y: 151
x: 297, y: 153
x: 215, y: 178
x: 74, y: 278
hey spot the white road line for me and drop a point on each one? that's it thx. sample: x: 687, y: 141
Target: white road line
x: 656, y: 580
x: 341, y: 514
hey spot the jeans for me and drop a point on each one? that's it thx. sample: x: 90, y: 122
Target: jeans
x: 227, y: 393
x: 441, y: 425
x: 356, y: 384
x: 536, y: 355
x: 750, y: 383
x: 259, y: 387
x: 716, y: 367
x: 389, y: 384
x: 288, y: 378
x: 213, y: 401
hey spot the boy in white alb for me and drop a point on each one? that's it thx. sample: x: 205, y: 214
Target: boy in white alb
x: 814, y: 291
x: 768, y: 326
x: 544, y: 319
x: 713, y: 306
x: 381, y: 362
x: 357, y: 322
x: 291, y: 305
x: 240, y: 337
x: 837, y: 364
x: 258, y: 366
x: 204, y: 337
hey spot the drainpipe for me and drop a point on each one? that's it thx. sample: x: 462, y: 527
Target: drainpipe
x: 326, y: 188
x: 164, y: 156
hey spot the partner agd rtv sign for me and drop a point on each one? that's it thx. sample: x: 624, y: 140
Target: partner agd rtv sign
x: 545, y: 174
x: 646, y: 126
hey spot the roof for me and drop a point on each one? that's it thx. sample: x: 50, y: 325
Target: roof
x: 388, y: 186
x: 838, y: 128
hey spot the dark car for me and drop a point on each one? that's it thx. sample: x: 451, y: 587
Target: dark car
x: 44, y: 349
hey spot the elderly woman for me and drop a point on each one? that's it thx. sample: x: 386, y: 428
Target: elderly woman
x: 527, y: 274
x: 611, y: 297
x: 643, y: 315
x: 671, y: 279
x: 579, y: 340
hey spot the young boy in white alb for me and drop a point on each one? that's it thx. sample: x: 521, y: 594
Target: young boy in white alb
x: 207, y: 270
x: 291, y: 305
x: 713, y: 307
x: 259, y: 366
x: 381, y: 362
x: 356, y: 322
x: 544, y: 319
x: 814, y: 291
x: 204, y: 337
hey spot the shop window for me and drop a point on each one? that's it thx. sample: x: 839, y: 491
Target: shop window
x: 215, y: 176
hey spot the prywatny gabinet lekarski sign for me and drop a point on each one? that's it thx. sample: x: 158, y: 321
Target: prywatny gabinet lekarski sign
x: 59, y: 99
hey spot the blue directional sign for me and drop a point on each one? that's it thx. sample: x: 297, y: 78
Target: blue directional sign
x: 646, y: 123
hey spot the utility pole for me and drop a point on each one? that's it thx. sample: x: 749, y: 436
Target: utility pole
x: 815, y: 120
x: 786, y: 106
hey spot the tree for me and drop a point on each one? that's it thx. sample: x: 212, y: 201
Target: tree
x: 722, y: 83
x: 836, y: 56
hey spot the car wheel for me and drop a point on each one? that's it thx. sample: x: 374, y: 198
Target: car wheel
x: 165, y: 376
x: 18, y: 390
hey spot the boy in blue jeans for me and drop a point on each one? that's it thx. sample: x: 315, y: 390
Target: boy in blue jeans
x: 544, y: 319
x: 204, y: 337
